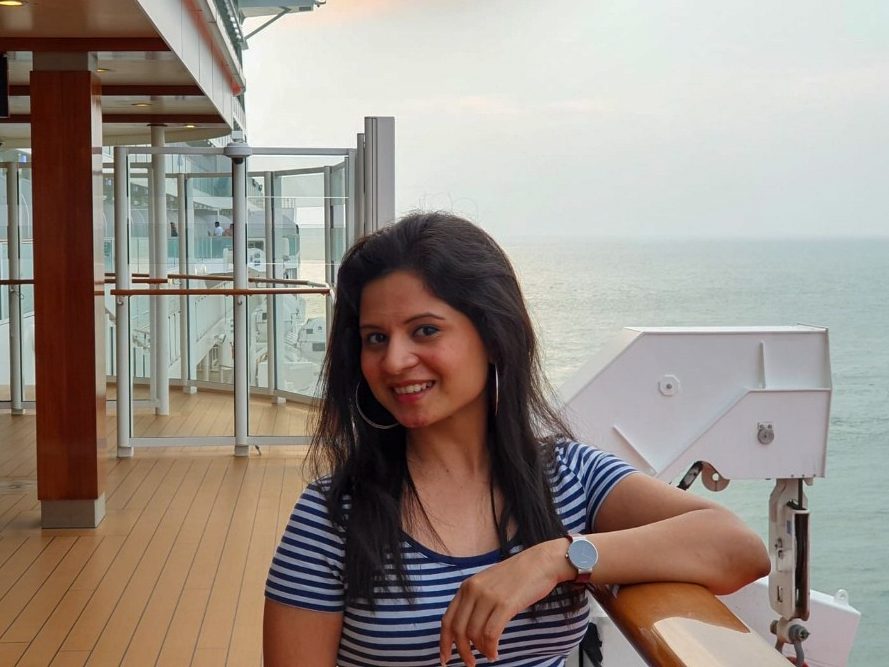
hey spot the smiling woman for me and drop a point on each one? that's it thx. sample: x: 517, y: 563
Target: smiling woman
x: 454, y: 519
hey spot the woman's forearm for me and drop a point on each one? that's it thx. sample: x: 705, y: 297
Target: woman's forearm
x: 707, y: 546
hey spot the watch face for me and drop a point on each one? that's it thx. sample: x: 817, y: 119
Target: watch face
x: 583, y: 555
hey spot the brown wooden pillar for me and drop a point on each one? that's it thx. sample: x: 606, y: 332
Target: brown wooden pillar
x: 66, y: 131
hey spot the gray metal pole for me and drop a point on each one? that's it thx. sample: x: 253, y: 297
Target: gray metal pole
x: 350, y: 180
x: 361, y: 226
x: 122, y: 303
x: 379, y: 171
x: 160, y: 340
x: 183, y: 234
x: 16, y: 384
x: 271, y: 258
x: 152, y: 302
x: 328, y: 229
x: 189, y: 265
x: 238, y: 152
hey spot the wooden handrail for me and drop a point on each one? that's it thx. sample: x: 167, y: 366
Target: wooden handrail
x: 148, y: 281
x: 219, y: 292
x: 224, y: 277
x: 21, y: 281
x: 684, y: 625
x: 143, y: 278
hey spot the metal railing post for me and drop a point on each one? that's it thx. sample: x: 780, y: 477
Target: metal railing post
x: 238, y: 152
x: 184, y: 232
x: 361, y: 227
x: 350, y: 180
x: 16, y: 384
x: 379, y: 172
x: 328, y: 229
x: 122, y: 303
x: 271, y: 254
x: 160, y: 342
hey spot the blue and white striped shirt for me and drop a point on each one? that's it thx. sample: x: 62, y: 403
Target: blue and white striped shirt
x: 307, y: 572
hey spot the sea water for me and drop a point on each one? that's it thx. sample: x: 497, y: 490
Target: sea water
x: 582, y: 292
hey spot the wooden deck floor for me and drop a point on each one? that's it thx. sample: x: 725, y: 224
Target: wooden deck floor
x: 174, y: 574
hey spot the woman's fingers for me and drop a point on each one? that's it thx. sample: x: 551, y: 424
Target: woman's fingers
x: 453, y: 627
x: 467, y: 623
x: 452, y: 634
x: 493, y: 630
x: 478, y: 629
x: 447, y: 638
x: 487, y: 601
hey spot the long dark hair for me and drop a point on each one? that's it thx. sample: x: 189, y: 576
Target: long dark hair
x: 463, y: 266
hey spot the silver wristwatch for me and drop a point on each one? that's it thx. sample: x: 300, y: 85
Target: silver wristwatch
x: 583, y: 555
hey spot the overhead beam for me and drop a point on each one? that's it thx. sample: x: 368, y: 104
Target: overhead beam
x: 83, y: 44
x: 202, y: 119
x: 128, y: 90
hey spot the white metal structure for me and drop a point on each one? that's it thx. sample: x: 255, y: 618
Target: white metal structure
x: 727, y: 403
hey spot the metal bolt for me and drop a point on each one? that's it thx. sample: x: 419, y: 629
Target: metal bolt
x: 765, y: 433
x: 668, y: 385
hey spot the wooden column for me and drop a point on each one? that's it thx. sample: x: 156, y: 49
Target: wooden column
x: 66, y: 130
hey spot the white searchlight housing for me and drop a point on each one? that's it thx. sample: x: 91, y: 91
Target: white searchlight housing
x: 752, y: 402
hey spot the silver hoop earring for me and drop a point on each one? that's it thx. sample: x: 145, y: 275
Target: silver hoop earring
x: 370, y: 422
x: 496, y: 390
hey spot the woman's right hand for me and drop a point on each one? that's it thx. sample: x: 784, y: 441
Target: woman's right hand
x: 487, y: 601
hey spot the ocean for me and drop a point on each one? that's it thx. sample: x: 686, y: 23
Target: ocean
x: 581, y: 292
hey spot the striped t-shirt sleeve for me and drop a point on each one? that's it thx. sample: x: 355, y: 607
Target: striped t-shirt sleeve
x: 307, y: 569
x: 598, y: 473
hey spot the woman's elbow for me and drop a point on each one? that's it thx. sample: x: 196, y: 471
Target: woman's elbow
x: 747, y: 561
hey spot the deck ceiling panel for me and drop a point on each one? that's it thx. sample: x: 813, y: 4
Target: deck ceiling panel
x: 131, y: 76
x: 76, y: 19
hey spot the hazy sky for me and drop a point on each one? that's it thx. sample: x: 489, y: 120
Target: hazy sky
x: 624, y: 118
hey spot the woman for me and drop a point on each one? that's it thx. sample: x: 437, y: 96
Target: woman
x: 457, y: 515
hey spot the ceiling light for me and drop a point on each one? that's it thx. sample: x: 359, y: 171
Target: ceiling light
x: 11, y: 3
x: 191, y: 126
x: 98, y: 69
x: 142, y: 105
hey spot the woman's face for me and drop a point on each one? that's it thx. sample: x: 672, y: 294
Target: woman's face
x: 423, y: 360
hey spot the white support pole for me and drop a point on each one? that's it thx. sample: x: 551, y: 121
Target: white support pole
x: 271, y: 255
x: 189, y: 266
x: 328, y: 229
x: 238, y: 152
x: 160, y: 339
x: 183, y: 231
x: 379, y: 171
x: 361, y: 227
x: 152, y: 302
x: 122, y: 303
x: 351, y: 199
x: 16, y: 384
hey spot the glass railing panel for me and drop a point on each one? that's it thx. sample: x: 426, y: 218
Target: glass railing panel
x: 140, y: 228
x: 211, y: 362
x: 301, y: 342
x: 300, y: 335
x: 300, y: 198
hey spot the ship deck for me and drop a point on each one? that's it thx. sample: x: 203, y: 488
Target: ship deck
x: 174, y: 574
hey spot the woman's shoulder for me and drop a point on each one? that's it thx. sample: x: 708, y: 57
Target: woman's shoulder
x: 582, y: 478
x: 586, y: 463
x: 320, y: 504
x: 574, y: 454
